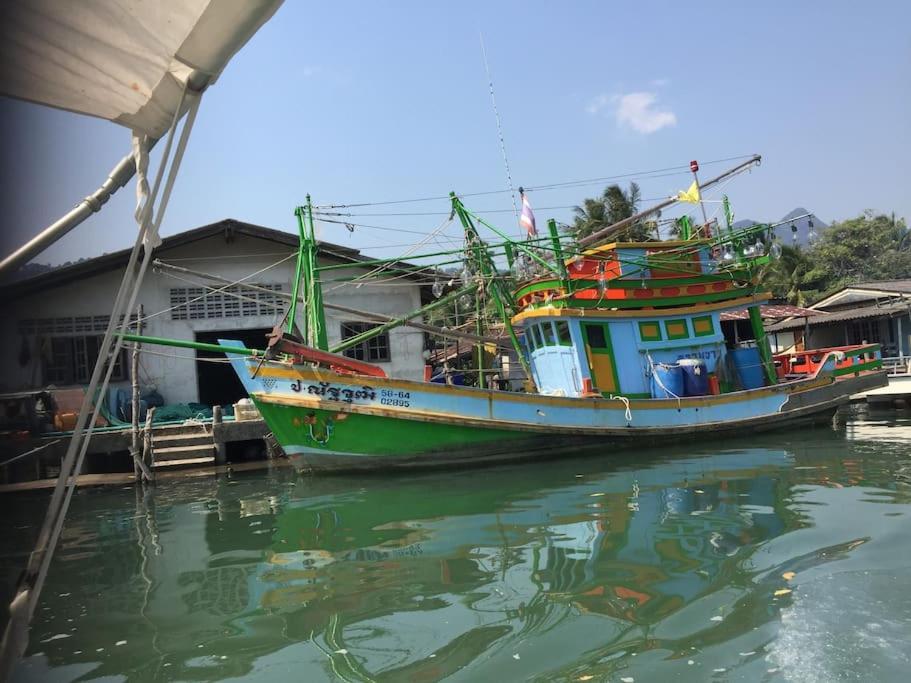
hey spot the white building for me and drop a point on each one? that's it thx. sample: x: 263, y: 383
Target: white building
x: 53, y: 323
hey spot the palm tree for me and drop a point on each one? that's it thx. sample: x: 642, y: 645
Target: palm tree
x: 788, y: 276
x: 613, y: 206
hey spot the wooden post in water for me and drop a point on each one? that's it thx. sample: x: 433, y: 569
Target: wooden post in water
x: 221, y: 456
x: 148, y: 457
x: 134, y: 407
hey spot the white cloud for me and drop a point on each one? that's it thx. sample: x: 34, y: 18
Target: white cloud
x: 598, y: 104
x: 639, y: 111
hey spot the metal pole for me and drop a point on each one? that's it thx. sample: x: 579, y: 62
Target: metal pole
x: 134, y: 417
x: 611, y: 229
x: 762, y: 342
x: 315, y: 288
x: 298, y: 271
x: 694, y: 167
x: 117, y: 178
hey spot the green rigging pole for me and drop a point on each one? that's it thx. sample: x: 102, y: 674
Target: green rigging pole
x: 318, y: 315
x: 298, y: 273
x: 307, y: 272
x: 488, y: 270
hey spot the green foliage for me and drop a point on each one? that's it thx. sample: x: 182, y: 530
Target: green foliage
x: 787, y: 278
x: 862, y: 249
x: 613, y: 206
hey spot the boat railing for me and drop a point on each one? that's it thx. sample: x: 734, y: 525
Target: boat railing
x: 852, y: 361
x: 897, y: 365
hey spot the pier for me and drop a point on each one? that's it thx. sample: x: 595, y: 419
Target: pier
x: 188, y: 448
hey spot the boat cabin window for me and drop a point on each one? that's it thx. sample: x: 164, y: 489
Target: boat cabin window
x: 594, y: 335
x: 563, y: 336
x: 535, y: 336
x: 530, y: 338
x: 548, y: 330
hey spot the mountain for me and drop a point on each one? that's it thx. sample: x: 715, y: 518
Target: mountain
x: 785, y: 233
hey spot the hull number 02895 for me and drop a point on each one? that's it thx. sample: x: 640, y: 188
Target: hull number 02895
x: 398, y: 399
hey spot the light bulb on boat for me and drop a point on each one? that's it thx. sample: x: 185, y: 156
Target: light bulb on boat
x: 579, y: 264
x: 728, y: 255
x: 465, y: 301
x: 775, y: 251
x: 758, y: 248
x: 437, y: 289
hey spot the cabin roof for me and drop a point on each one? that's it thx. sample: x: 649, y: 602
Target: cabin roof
x: 228, y: 227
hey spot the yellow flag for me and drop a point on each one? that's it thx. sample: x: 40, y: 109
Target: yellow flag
x: 691, y: 195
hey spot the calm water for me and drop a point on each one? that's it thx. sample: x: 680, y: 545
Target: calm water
x: 785, y: 557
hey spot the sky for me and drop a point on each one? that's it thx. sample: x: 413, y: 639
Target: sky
x: 371, y: 102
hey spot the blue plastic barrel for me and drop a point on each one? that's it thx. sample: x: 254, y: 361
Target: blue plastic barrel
x: 667, y: 380
x: 695, y: 376
x: 748, y: 364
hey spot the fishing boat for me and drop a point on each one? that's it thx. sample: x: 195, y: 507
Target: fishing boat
x: 621, y: 342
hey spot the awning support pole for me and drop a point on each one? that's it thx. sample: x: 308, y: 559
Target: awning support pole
x: 118, y: 177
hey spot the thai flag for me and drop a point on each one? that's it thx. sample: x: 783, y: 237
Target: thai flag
x: 527, y: 220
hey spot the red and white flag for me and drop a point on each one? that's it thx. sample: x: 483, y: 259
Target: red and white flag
x: 527, y: 219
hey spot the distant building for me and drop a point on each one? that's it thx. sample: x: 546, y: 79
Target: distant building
x: 874, y: 312
x: 54, y: 322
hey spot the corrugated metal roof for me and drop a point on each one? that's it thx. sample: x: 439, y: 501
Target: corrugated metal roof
x: 771, y: 312
x: 228, y: 227
x: 902, y: 286
x: 861, y: 312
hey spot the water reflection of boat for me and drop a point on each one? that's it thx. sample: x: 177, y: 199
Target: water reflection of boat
x: 393, y: 573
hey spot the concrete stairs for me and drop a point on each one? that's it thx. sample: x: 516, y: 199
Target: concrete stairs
x: 181, y: 446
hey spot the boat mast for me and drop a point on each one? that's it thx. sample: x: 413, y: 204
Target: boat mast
x: 307, y: 272
x: 498, y: 292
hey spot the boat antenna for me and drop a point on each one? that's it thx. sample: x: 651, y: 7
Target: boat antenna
x: 496, y: 114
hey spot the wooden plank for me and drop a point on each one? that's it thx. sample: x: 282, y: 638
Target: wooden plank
x: 183, y: 462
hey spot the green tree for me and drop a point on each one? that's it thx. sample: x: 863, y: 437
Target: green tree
x: 613, y: 206
x: 859, y: 249
x: 788, y: 277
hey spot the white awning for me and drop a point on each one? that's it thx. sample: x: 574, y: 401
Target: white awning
x: 122, y: 60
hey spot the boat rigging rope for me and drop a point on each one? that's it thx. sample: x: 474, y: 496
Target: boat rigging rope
x: 28, y: 592
x: 638, y: 175
x: 431, y: 235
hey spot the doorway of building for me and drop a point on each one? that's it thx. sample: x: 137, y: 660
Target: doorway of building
x: 218, y: 383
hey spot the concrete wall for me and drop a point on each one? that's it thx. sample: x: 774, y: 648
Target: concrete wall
x: 172, y: 370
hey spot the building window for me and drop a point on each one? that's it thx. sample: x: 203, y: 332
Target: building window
x: 198, y: 303
x: 375, y: 349
x: 46, y: 327
x: 864, y: 331
x: 70, y: 360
